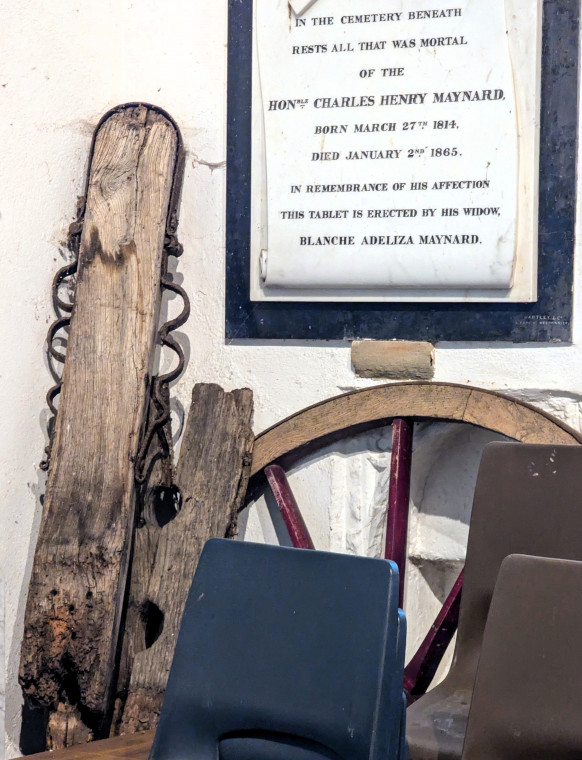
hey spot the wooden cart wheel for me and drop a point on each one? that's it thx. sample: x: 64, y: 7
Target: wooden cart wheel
x: 399, y: 404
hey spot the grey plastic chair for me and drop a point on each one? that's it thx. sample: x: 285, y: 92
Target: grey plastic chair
x: 526, y: 501
x: 528, y: 691
x: 286, y: 654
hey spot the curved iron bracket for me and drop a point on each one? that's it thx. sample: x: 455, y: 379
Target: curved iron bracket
x: 63, y: 309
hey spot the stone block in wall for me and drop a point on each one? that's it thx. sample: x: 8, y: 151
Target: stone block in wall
x: 393, y: 359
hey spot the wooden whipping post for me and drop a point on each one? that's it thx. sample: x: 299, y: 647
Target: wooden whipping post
x: 78, y: 584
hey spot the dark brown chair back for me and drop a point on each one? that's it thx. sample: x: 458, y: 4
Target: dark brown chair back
x: 526, y: 502
x: 526, y: 698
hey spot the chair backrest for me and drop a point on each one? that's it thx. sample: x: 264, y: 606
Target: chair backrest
x: 526, y: 502
x: 285, y: 653
x: 526, y: 700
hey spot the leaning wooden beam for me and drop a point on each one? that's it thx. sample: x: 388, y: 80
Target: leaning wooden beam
x: 156, y: 505
x: 212, y: 475
x: 78, y: 582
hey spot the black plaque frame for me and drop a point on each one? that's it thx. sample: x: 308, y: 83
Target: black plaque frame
x: 547, y: 320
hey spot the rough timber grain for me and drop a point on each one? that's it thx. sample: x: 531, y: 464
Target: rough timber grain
x: 212, y: 475
x: 346, y: 414
x: 78, y: 579
x: 136, y: 632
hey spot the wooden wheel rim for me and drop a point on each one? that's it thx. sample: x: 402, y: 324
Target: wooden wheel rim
x: 351, y: 413
x: 400, y: 403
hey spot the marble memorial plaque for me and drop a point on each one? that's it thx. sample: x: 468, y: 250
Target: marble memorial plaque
x: 395, y: 150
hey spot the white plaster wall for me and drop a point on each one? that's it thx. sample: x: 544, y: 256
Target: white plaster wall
x: 62, y: 65
x: 2, y: 674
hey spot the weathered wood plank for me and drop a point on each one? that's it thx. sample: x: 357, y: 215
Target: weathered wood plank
x: 78, y: 580
x: 157, y: 488
x: 212, y: 475
x: 349, y: 412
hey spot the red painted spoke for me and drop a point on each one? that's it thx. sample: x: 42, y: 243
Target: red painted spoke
x: 420, y: 671
x: 290, y: 513
x: 399, y: 497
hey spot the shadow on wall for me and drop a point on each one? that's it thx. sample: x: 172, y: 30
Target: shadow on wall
x: 33, y: 725
x: 445, y: 465
x: 2, y: 670
x: 342, y: 491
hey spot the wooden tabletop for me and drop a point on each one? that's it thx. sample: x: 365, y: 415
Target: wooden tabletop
x: 128, y: 747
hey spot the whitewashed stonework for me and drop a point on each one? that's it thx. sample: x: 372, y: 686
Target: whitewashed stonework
x: 389, y: 146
